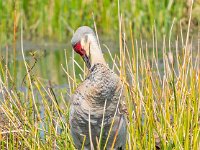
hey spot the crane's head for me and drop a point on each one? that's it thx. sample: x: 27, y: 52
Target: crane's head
x: 81, y: 42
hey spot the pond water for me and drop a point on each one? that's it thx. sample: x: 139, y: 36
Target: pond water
x: 45, y: 57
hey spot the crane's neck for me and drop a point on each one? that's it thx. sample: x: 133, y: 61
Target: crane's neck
x: 95, y: 53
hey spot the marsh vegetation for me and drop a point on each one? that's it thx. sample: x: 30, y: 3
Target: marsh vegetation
x: 154, y: 46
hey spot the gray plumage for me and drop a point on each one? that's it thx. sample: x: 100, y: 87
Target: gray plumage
x: 101, y: 85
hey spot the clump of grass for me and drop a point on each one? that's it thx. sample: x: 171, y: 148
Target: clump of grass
x: 163, y: 105
x: 162, y: 96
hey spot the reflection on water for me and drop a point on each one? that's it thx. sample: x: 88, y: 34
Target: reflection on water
x: 45, y: 59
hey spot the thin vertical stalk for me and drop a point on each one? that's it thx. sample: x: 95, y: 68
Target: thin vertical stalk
x: 14, y: 44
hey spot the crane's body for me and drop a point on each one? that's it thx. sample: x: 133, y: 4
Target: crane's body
x: 88, y: 101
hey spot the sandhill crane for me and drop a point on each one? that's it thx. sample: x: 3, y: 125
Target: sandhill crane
x: 88, y: 101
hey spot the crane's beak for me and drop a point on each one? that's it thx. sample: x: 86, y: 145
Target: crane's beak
x: 87, y: 61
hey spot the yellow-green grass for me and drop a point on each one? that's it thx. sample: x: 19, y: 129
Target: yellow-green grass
x: 162, y: 96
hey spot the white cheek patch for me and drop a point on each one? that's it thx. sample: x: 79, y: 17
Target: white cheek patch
x: 85, y: 44
x: 82, y: 43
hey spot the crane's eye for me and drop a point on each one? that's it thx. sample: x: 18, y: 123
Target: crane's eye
x: 86, y: 38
